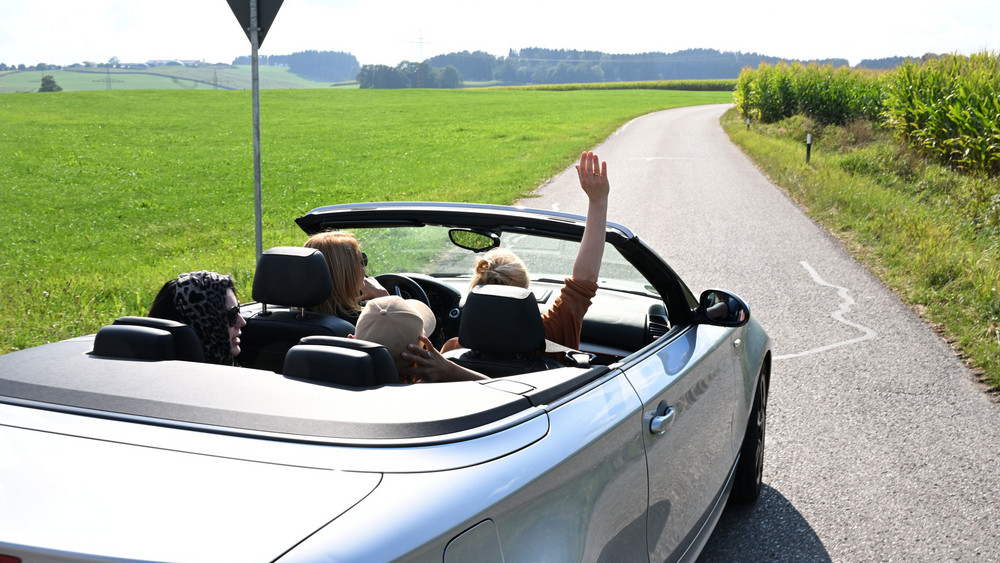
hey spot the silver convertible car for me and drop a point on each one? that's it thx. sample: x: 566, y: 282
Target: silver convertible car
x: 122, y: 446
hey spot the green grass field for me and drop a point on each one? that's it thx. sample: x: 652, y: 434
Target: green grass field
x: 222, y: 77
x: 106, y: 195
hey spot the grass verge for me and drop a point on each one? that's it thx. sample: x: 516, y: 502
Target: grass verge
x: 931, y: 234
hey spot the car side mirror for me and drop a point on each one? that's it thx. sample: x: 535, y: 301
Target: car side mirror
x: 721, y: 308
x: 474, y: 240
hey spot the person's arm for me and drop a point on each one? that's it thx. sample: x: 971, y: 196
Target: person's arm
x: 593, y: 176
x: 372, y: 289
x: 431, y: 367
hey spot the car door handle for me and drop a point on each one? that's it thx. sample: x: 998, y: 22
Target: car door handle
x: 662, y: 422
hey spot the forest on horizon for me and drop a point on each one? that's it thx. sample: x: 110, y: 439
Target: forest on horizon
x: 530, y: 66
x: 547, y: 66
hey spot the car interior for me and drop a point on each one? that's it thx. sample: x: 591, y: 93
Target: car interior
x: 500, y: 327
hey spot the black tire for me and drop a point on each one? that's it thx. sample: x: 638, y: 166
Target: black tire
x: 750, y: 470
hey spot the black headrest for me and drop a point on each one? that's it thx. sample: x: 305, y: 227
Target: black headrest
x: 340, y: 365
x: 292, y: 276
x: 385, y: 366
x: 134, y: 343
x: 187, y: 345
x: 501, y: 319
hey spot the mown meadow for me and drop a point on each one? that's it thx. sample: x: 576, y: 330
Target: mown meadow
x: 105, y: 195
x: 211, y: 77
x: 905, y: 168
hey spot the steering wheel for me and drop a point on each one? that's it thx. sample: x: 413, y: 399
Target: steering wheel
x: 403, y: 286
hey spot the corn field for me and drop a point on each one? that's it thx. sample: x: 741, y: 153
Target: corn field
x: 831, y: 96
x: 947, y: 108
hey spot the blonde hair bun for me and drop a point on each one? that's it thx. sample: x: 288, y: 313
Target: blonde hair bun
x: 500, y: 267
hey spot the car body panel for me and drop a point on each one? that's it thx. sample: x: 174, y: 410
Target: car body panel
x: 158, y: 504
x: 694, y: 376
x: 251, y: 402
x: 576, y: 493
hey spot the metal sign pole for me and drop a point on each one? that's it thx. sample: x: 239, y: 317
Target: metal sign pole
x: 261, y: 14
x: 255, y: 93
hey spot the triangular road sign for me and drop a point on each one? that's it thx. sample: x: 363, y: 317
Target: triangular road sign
x: 266, y: 11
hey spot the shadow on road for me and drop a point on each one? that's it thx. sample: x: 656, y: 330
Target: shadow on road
x: 769, y: 530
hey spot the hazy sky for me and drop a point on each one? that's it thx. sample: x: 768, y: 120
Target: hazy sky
x: 389, y: 31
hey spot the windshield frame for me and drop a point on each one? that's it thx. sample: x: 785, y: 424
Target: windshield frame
x: 509, y: 219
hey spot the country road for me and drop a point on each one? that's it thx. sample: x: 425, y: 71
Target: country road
x: 881, y: 446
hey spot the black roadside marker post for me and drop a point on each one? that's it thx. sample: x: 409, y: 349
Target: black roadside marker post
x: 255, y: 16
x: 809, y: 144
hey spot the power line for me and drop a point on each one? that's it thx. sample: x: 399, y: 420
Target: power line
x: 107, y: 80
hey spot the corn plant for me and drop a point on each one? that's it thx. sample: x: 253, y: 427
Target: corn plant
x: 828, y: 95
x: 949, y: 109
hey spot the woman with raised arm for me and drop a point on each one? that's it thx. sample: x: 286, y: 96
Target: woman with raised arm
x: 563, y: 321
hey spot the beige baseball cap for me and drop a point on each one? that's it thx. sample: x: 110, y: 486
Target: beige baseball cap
x: 395, y: 322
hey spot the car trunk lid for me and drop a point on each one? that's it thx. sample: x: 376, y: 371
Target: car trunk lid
x: 71, y: 498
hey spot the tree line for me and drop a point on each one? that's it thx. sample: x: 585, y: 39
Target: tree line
x: 535, y: 65
x: 532, y: 65
x: 39, y: 66
x: 409, y: 75
x: 321, y: 66
x: 560, y: 66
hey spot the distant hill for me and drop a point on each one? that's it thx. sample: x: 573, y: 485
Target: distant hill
x: 208, y: 77
x: 537, y: 65
x: 561, y: 66
x: 883, y: 64
x: 321, y: 66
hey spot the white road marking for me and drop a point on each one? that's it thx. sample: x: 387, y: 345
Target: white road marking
x: 652, y: 158
x: 838, y: 315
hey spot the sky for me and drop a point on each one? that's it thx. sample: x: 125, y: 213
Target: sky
x: 64, y: 32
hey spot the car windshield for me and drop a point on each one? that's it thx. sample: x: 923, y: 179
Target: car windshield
x: 428, y: 250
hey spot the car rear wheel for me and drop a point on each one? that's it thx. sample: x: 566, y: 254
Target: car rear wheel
x: 750, y: 470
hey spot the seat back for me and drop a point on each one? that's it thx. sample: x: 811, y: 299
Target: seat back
x: 288, y: 279
x: 340, y: 361
x: 292, y: 276
x: 501, y: 332
x: 148, y: 338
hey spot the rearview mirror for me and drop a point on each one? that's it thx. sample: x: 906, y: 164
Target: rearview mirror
x: 474, y: 240
x: 721, y: 308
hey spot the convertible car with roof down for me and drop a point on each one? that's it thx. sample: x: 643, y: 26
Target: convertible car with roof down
x: 123, y: 446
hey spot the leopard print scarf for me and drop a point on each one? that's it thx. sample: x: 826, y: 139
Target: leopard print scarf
x: 200, y: 297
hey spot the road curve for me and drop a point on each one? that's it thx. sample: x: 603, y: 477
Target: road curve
x: 881, y: 446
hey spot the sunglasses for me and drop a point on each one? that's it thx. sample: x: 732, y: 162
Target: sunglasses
x: 364, y: 260
x: 233, y: 315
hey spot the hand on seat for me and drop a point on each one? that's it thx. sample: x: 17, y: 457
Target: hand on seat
x: 430, y: 366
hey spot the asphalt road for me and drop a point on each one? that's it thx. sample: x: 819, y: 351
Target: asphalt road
x: 881, y: 446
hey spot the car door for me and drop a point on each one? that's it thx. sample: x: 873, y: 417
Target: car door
x: 687, y: 389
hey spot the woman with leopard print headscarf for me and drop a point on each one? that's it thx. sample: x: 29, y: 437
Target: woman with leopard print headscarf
x: 207, y: 302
